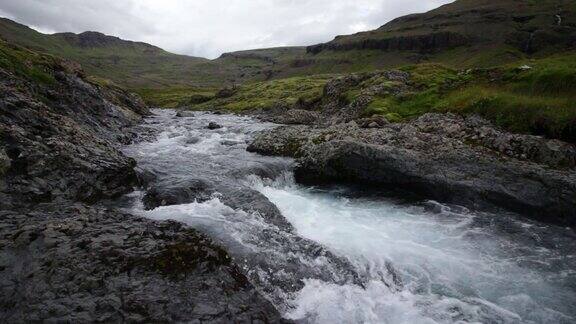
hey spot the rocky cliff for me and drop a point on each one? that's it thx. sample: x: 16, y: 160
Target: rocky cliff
x: 60, y: 132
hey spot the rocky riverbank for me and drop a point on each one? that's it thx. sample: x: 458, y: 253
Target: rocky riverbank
x: 452, y: 159
x: 74, y: 263
x: 62, y: 258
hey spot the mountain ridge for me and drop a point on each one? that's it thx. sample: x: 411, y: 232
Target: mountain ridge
x: 462, y: 34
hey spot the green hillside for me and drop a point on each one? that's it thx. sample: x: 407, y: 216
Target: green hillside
x: 466, y: 33
x: 131, y: 64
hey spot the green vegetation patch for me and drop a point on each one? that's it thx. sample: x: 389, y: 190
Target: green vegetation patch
x: 176, y: 97
x: 533, y: 96
x: 267, y: 94
x: 27, y: 64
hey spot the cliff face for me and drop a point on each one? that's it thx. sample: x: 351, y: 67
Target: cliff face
x: 420, y: 43
x: 528, y: 26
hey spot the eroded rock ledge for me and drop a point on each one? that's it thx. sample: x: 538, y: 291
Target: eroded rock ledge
x: 444, y: 157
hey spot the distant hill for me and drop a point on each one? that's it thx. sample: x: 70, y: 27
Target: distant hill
x: 132, y: 64
x: 466, y: 33
x: 463, y: 34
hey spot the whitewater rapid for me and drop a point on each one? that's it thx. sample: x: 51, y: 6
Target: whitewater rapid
x: 418, y: 262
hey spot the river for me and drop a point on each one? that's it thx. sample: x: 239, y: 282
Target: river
x: 412, y: 261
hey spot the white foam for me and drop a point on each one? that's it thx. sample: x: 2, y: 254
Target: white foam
x: 448, y: 270
x: 446, y: 277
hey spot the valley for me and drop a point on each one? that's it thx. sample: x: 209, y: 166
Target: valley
x: 421, y: 172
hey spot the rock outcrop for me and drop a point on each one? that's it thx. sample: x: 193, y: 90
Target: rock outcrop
x: 419, y: 43
x: 442, y: 157
x: 61, y: 138
x: 84, y: 264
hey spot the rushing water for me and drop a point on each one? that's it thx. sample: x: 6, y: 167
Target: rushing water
x: 413, y: 262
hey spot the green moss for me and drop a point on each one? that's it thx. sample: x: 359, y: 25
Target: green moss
x: 182, y: 258
x: 538, y: 100
x: 378, y: 106
x: 432, y: 75
x: 351, y: 95
x: 176, y: 97
x: 27, y: 64
x: 527, y: 113
x: 265, y: 95
x: 394, y: 117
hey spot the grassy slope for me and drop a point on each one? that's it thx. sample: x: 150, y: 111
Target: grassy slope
x: 497, y: 32
x: 130, y: 64
x: 496, y: 29
x: 26, y: 64
x: 175, y: 97
x: 268, y: 94
x: 136, y: 66
x: 540, y: 100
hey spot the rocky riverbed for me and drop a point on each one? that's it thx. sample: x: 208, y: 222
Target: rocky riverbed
x: 355, y: 253
x: 112, y: 212
x: 459, y: 160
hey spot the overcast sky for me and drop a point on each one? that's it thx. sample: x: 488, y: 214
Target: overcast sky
x: 208, y: 28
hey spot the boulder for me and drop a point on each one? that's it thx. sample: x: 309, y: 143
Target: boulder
x: 375, y: 121
x: 226, y: 92
x: 62, y: 137
x: 185, y: 114
x: 177, y: 193
x: 213, y: 126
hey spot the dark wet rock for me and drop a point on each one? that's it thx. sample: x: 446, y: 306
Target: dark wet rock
x: 231, y: 143
x: 61, y: 261
x: 250, y: 200
x: 177, y: 193
x: 83, y: 264
x: 145, y: 177
x: 263, y: 171
x: 62, y: 138
x: 4, y: 162
x: 185, y: 114
x: 423, y: 157
x: 213, y: 125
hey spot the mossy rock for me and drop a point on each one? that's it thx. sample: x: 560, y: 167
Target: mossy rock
x: 182, y: 258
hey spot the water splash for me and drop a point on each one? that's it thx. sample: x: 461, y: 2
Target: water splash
x: 383, y: 261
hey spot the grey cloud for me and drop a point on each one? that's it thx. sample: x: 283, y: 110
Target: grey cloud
x: 211, y: 27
